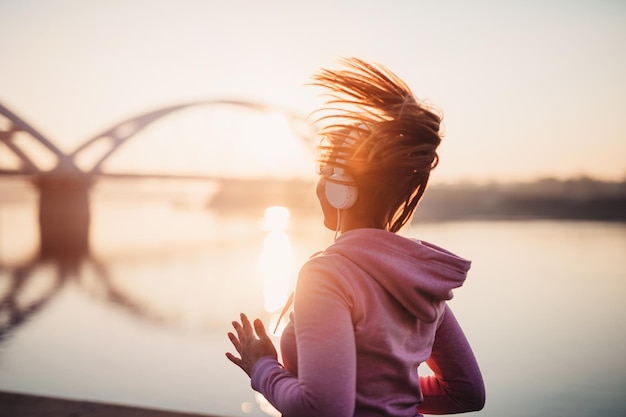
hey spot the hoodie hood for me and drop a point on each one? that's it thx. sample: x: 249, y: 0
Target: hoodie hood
x: 420, y: 275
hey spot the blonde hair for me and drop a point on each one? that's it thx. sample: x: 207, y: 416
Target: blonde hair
x: 379, y: 133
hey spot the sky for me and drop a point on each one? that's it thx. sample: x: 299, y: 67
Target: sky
x: 528, y: 89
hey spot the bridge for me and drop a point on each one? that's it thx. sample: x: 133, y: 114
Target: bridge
x: 64, y: 212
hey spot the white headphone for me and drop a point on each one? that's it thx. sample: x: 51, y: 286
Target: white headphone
x: 339, y: 194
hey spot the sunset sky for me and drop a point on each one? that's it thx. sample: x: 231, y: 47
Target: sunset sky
x: 528, y: 88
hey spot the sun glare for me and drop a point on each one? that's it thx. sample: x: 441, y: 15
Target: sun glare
x: 276, y: 259
x: 273, y: 145
x: 276, y: 219
x: 220, y: 141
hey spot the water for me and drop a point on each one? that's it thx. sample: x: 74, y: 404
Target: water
x: 143, y: 321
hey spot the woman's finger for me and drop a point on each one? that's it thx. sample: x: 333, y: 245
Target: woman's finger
x: 247, y: 327
x: 239, y: 330
x: 235, y: 341
x: 260, y: 329
x: 233, y: 359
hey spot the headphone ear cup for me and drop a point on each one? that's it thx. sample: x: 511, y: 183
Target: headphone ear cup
x: 340, y: 196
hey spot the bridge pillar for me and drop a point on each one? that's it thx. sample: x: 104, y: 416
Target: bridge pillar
x: 64, y: 215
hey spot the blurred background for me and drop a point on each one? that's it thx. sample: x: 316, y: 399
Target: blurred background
x: 157, y: 177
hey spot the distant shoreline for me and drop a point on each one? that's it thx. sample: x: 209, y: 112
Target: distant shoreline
x: 574, y: 199
x: 578, y: 199
x: 484, y: 207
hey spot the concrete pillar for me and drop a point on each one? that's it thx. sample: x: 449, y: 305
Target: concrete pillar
x: 64, y: 215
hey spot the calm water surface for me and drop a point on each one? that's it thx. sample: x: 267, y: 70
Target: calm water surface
x: 143, y: 321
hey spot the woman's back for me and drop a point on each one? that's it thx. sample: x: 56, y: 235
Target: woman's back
x: 382, y: 297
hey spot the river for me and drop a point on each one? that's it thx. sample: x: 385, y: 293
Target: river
x: 143, y: 320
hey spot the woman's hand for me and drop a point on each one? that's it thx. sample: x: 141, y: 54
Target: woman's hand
x: 250, y: 347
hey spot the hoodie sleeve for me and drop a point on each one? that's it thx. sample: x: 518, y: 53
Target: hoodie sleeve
x: 326, y: 380
x: 457, y: 384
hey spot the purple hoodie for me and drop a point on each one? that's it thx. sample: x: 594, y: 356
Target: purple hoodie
x: 367, y: 312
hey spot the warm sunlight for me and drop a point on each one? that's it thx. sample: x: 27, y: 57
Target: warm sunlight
x: 273, y: 144
x: 276, y: 259
x: 225, y: 141
x: 184, y: 137
x: 276, y: 219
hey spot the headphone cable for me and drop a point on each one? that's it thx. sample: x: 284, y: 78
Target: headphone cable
x: 338, y: 224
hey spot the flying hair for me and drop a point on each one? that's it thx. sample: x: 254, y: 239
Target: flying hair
x: 376, y: 130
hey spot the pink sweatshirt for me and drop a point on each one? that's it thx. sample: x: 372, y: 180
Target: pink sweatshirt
x: 367, y: 312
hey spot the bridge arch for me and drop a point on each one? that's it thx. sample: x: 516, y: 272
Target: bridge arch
x: 118, y: 135
x: 64, y: 211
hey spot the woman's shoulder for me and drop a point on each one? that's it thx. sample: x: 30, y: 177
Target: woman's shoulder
x: 326, y: 278
x: 327, y: 263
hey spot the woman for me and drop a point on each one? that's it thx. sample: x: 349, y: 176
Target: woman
x: 370, y: 308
